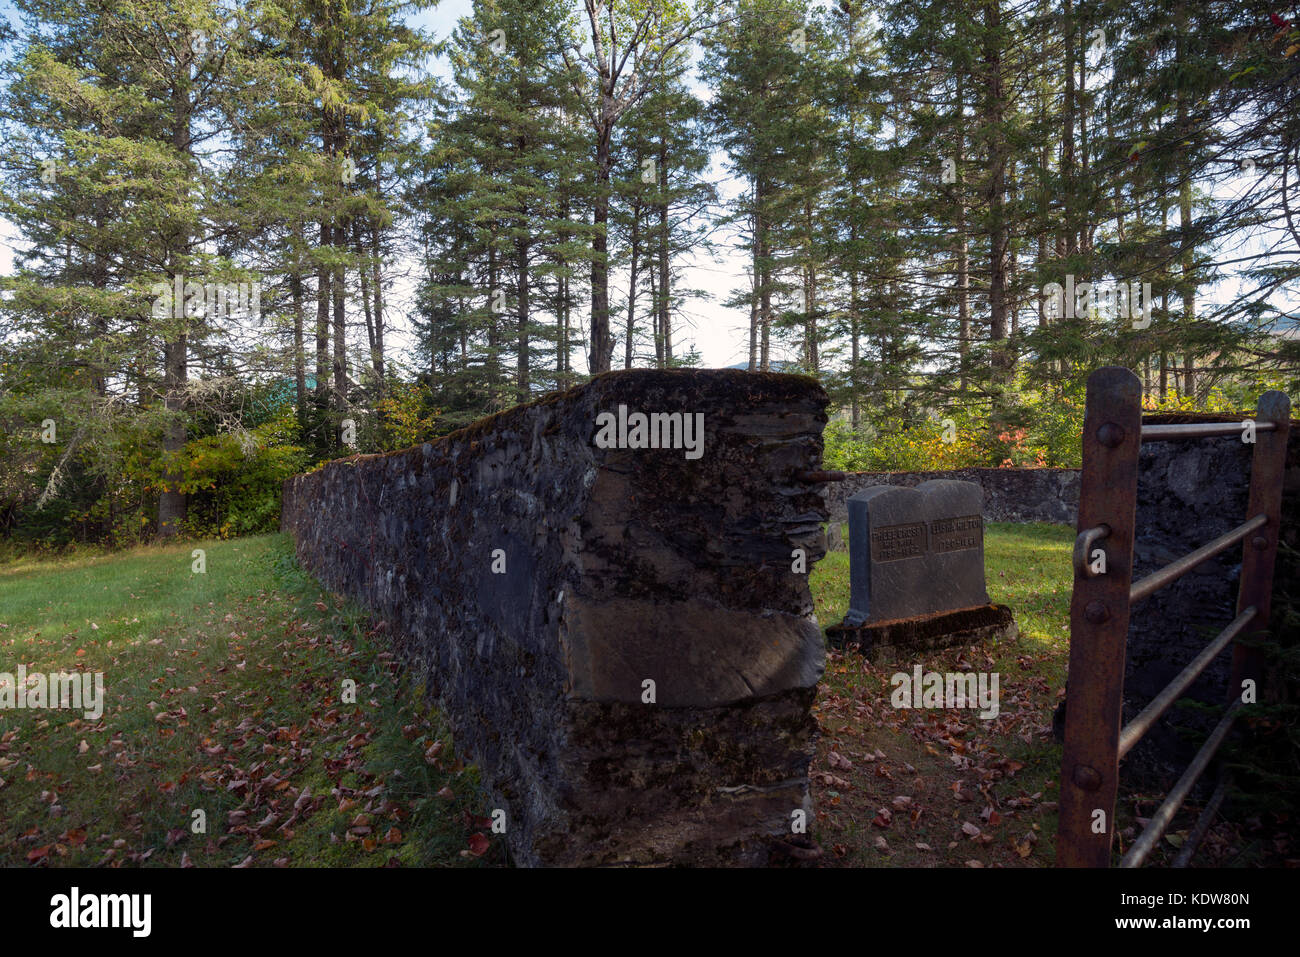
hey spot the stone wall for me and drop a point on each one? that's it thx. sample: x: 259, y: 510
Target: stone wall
x: 1010, y: 495
x: 621, y: 567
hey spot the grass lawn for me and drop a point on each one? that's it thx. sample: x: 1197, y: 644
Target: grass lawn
x: 944, y: 787
x: 225, y: 706
x: 225, y: 695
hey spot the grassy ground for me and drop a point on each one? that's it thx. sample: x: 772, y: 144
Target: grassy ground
x: 944, y: 787
x: 225, y: 707
x: 225, y: 694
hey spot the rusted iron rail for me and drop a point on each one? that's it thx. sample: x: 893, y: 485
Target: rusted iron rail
x: 1177, y: 569
x: 1203, y: 823
x: 1104, y: 593
x: 1198, y: 430
x: 1160, y: 821
x: 1135, y: 730
x: 816, y: 478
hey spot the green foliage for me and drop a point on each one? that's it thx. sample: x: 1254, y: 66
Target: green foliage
x: 408, y: 417
x: 235, y: 481
x: 1039, y: 429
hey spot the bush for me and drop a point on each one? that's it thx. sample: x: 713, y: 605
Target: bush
x: 1031, y: 430
x: 234, y: 482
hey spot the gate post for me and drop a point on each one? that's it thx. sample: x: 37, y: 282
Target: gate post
x: 1259, y: 552
x: 1099, y: 614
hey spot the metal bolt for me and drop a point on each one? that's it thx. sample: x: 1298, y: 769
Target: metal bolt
x: 1086, y: 777
x: 1110, y: 435
x: 1096, y: 612
x: 1260, y: 543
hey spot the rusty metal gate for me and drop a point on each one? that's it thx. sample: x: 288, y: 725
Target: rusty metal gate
x: 1099, y: 612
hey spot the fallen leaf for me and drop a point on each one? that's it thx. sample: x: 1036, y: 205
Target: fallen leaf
x: 38, y: 854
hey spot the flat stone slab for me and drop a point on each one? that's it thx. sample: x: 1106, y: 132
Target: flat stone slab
x: 698, y: 653
x: 886, y: 641
x: 915, y: 551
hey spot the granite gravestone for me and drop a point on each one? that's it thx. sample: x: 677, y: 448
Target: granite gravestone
x: 915, y: 551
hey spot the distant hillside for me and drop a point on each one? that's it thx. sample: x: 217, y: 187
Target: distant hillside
x: 777, y: 365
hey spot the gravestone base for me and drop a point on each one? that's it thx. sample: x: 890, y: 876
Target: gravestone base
x: 883, y: 641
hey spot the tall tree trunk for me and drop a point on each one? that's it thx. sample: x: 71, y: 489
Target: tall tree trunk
x: 654, y: 315
x: 999, y: 235
x: 1187, y: 251
x: 522, y: 385
x: 963, y: 246
x: 323, y: 321
x: 299, y: 359
x: 363, y: 274
x: 494, y: 357
x: 855, y: 305
x: 377, y: 284
x: 601, y: 347
x: 337, y: 290
x: 172, y: 501
x: 663, y: 301
x: 855, y: 338
x: 562, y: 308
x: 1067, y: 136
x: 98, y: 321
x: 633, y: 278
x: 753, y: 321
x: 810, y: 289
x: 562, y: 335
x: 763, y: 265
x: 1013, y: 305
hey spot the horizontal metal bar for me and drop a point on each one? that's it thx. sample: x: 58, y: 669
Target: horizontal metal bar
x: 1198, y: 430
x: 1177, y: 569
x: 1202, y: 824
x: 817, y: 477
x: 1083, y: 548
x: 1155, y: 828
x: 1139, y: 726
